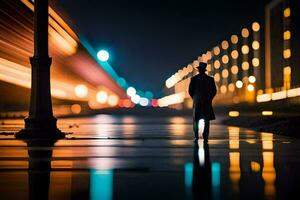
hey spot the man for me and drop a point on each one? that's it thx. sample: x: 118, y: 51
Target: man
x: 202, y: 89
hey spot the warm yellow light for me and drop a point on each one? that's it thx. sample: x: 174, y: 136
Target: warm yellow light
x: 263, y: 97
x: 287, y: 53
x: 234, y: 54
x: 234, y: 113
x: 255, y: 45
x: 225, y: 73
x: 267, y: 113
x: 225, y: 45
x: 255, y: 26
x: 255, y: 62
x: 223, y: 89
x: 195, y: 63
x: 255, y: 167
x: 234, y: 69
x: 245, y: 65
x: 234, y: 39
x: 217, y: 64
x: 225, y: 59
x: 287, y: 70
x: 113, y: 100
x: 287, y: 35
x: 217, y: 77
x: 231, y: 87
x: 81, y: 91
x: 287, y: 12
x: 245, y: 32
x: 102, y: 97
x: 250, y: 88
x: 239, y: 84
x: 216, y: 50
x: 245, y: 49
x: 171, y: 99
x: 252, y: 79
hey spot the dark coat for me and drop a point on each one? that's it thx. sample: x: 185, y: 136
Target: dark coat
x: 202, y: 89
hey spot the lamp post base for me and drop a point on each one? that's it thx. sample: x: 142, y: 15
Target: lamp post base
x: 40, y: 128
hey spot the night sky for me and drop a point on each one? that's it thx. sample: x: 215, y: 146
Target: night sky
x: 150, y: 40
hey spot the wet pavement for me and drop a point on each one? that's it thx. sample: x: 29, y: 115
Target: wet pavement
x: 108, y: 157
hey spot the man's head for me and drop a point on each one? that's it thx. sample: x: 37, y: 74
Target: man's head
x: 202, y: 67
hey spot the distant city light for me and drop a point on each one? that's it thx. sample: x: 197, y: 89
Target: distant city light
x: 252, y: 79
x: 287, y: 12
x: 81, y: 91
x: 267, y: 113
x: 245, y: 49
x: 102, y: 97
x: 144, y: 101
x: 154, y: 102
x: 234, y: 39
x: 149, y: 94
x: 76, y: 108
x: 255, y: 26
x: 223, y: 89
x: 234, y: 113
x: 287, y: 53
x: 245, y: 65
x: 225, y: 73
x: 231, y: 87
x: 103, y: 55
x: 287, y: 35
x: 234, y: 54
x: 216, y: 50
x: 131, y: 91
x: 217, y: 64
x: 255, y: 62
x: 239, y: 84
x: 255, y: 45
x: 225, y: 59
x: 121, y: 82
x: 250, y: 88
x: 225, y: 45
x: 217, y: 77
x: 245, y: 33
x: 135, y: 98
x: 234, y: 69
x: 113, y: 100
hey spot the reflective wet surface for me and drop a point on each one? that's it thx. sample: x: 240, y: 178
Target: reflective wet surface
x: 109, y: 157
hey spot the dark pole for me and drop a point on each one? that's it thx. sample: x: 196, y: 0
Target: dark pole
x: 40, y: 124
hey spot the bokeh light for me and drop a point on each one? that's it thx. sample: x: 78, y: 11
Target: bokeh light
x: 255, y: 26
x: 81, y: 91
x: 131, y: 91
x: 239, y: 84
x: 252, y: 79
x: 101, y: 97
x: 113, y: 100
x: 103, y: 55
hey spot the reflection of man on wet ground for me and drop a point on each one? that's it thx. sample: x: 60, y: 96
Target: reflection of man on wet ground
x: 201, y: 184
x: 202, y: 89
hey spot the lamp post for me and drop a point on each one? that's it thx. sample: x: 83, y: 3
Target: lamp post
x: 40, y: 124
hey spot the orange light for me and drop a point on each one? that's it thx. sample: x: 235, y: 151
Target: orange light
x: 234, y: 69
x: 76, y: 108
x: 113, y: 100
x: 234, y: 39
x: 234, y: 54
x: 245, y: 33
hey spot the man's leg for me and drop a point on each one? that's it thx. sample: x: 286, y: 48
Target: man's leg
x: 206, y: 129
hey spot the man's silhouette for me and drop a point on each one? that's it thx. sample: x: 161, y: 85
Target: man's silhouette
x: 202, y: 89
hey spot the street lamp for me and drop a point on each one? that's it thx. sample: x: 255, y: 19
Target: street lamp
x: 103, y: 55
